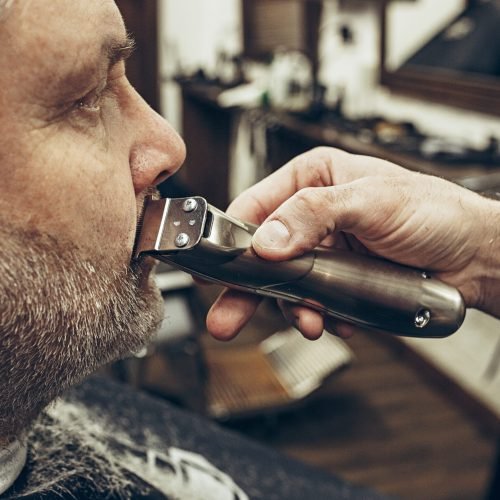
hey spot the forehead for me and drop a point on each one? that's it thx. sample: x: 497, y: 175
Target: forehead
x: 58, y: 30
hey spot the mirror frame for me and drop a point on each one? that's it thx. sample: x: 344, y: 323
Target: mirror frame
x: 452, y: 89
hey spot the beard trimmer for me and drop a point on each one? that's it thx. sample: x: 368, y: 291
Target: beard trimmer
x: 200, y: 239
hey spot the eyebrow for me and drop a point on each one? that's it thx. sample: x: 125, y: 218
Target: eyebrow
x: 117, y: 51
x: 75, y: 80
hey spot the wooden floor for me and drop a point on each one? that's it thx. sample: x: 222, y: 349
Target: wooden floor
x: 379, y: 423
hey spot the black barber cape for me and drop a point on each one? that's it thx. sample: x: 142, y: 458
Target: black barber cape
x: 105, y: 440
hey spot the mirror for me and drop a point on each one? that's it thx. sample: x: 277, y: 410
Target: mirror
x: 446, y: 51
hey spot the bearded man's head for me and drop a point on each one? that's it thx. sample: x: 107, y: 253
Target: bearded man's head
x: 79, y: 149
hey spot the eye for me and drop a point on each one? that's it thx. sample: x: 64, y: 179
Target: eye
x: 96, y: 102
x: 91, y: 102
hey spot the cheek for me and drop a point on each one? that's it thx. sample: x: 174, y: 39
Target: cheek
x: 109, y: 219
x: 84, y: 195
x: 106, y: 208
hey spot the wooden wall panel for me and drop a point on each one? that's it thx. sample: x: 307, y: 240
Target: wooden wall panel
x: 141, y: 19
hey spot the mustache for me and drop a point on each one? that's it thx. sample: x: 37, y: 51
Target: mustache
x: 154, y: 193
x: 151, y: 191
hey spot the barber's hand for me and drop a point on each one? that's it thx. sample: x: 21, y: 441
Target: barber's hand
x: 327, y: 196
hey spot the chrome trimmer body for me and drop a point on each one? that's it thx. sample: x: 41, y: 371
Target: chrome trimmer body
x: 192, y: 235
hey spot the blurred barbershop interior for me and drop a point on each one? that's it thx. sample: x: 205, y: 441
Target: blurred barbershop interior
x: 250, y: 84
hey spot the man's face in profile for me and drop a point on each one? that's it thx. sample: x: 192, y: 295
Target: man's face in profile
x: 78, y: 150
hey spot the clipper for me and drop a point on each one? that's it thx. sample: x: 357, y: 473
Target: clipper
x: 196, y: 237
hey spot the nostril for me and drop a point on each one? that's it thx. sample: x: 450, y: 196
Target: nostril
x: 162, y: 176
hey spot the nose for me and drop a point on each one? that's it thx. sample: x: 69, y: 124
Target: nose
x: 157, y: 151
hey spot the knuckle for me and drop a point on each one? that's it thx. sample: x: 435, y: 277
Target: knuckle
x: 322, y: 153
x: 327, y: 153
x: 309, y: 201
x: 310, y: 215
x: 314, y: 168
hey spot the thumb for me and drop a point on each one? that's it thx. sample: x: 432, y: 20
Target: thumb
x: 303, y: 221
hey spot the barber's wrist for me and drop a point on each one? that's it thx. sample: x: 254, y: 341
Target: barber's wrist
x: 488, y: 258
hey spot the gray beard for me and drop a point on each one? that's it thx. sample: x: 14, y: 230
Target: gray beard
x: 61, y: 318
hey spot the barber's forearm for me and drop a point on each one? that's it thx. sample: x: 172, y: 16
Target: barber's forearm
x: 488, y: 259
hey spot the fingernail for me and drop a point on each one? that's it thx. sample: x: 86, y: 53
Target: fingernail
x: 272, y: 234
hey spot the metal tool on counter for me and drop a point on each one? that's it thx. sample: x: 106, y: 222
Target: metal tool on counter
x: 202, y: 240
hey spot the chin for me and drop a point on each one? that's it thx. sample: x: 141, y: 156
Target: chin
x: 66, y: 316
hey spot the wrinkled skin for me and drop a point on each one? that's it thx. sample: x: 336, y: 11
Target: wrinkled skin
x: 79, y: 149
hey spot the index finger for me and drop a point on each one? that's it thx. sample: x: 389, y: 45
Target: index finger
x: 320, y: 167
